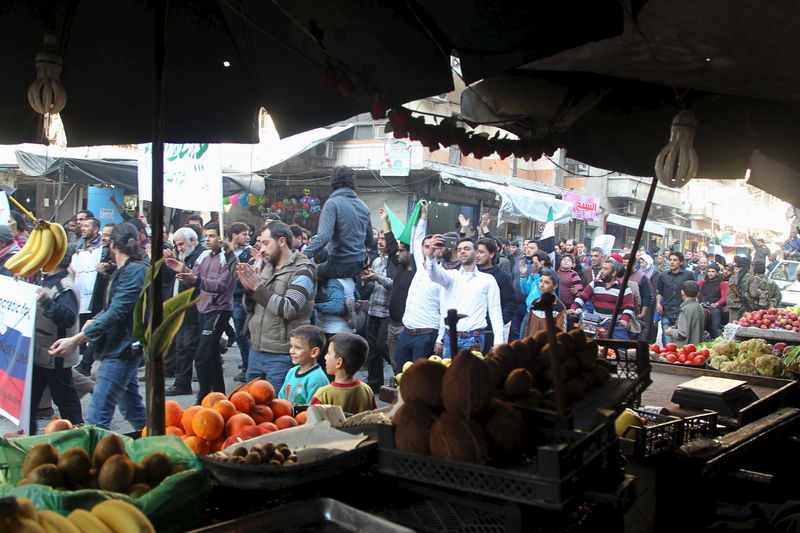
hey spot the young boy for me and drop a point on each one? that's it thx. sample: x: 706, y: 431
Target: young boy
x: 302, y: 381
x: 346, y: 354
x: 689, y: 328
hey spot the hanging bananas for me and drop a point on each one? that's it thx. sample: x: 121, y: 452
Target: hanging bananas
x: 44, y: 250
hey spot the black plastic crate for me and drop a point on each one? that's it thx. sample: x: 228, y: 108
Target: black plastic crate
x: 554, y: 475
x: 702, y: 425
x: 660, y: 434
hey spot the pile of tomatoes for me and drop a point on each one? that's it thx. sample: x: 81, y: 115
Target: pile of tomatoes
x: 688, y: 355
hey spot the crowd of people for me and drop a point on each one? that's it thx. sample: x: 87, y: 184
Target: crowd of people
x: 308, y: 312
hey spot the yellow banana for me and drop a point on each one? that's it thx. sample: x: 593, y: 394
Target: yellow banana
x: 52, y: 522
x: 18, y: 258
x: 25, y: 508
x: 123, y: 517
x: 59, y: 246
x: 87, y: 522
x: 40, y: 255
x: 25, y: 525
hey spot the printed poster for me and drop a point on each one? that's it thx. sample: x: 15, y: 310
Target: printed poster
x: 99, y: 203
x: 84, y: 263
x: 584, y: 207
x: 396, y: 158
x: 192, y: 176
x: 17, y: 327
x: 5, y: 212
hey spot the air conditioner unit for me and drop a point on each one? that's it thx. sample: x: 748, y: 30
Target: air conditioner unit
x: 629, y: 208
x: 324, y: 150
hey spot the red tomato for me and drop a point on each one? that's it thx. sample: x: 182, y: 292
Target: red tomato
x: 704, y: 352
x: 672, y: 358
x: 699, y: 359
x: 682, y: 357
x: 655, y: 348
x: 689, y: 348
x: 671, y: 347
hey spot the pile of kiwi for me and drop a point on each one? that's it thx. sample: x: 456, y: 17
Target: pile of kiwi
x: 109, y: 468
x: 260, y: 454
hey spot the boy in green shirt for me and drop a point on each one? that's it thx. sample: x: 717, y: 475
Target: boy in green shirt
x: 302, y: 381
x: 347, y: 352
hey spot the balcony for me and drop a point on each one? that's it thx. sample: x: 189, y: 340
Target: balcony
x: 636, y: 189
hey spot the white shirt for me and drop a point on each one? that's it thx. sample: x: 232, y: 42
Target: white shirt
x: 422, y: 303
x: 470, y: 293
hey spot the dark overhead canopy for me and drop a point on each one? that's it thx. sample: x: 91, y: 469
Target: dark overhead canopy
x: 399, y: 49
x: 733, y: 64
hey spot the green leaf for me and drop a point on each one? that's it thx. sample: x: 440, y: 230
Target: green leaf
x: 483, y: 134
x: 139, y: 310
x: 174, y: 311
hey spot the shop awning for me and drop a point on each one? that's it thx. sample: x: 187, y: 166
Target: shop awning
x: 519, y: 203
x: 656, y: 228
x: 675, y: 227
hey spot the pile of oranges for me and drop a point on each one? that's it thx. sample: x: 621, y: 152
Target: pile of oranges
x: 219, y: 420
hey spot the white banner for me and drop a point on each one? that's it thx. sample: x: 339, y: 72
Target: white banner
x: 17, y: 330
x: 84, y: 263
x: 192, y: 176
x: 5, y: 212
x: 605, y: 243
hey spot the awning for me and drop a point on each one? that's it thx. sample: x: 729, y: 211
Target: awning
x: 519, y: 203
x: 675, y: 227
x: 655, y: 228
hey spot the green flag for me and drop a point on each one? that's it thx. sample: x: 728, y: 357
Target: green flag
x: 402, y: 232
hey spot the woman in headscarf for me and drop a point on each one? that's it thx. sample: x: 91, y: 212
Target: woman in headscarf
x: 738, y: 300
x: 646, y: 266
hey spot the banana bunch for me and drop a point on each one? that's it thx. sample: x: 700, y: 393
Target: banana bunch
x: 18, y: 515
x: 44, y: 250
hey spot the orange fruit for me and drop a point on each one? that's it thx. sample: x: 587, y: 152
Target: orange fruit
x: 172, y: 413
x: 262, y: 413
x: 186, y: 419
x: 285, y: 421
x: 212, y: 398
x: 174, y: 430
x: 196, y: 444
x: 243, y: 401
x: 281, y: 408
x: 269, y: 425
x: 301, y: 417
x: 262, y: 391
x: 144, y: 431
x: 208, y: 424
x: 225, y: 408
x: 237, y: 422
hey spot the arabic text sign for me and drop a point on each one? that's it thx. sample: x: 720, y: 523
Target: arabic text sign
x: 585, y: 207
x: 17, y: 328
x: 192, y: 176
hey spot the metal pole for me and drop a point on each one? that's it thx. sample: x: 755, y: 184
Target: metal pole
x: 155, y: 362
x: 58, y: 193
x: 634, y: 248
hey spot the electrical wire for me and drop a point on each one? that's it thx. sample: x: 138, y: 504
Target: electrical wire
x: 580, y: 175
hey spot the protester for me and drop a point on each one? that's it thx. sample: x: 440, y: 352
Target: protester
x: 713, y: 294
x: 90, y: 235
x: 404, y: 271
x: 603, y: 293
x: 537, y: 319
x: 56, y: 318
x: 569, y: 281
x: 334, y: 307
x: 112, y: 331
x: 347, y: 353
x: 668, y: 293
x: 8, y: 247
x: 689, y: 327
x: 760, y: 250
x: 239, y: 239
x: 765, y: 293
x: 739, y: 298
x: 596, y: 256
x: 19, y: 225
x: 279, y: 297
x: 485, y: 260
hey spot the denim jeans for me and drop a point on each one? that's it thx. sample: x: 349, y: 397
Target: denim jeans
x: 620, y: 333
x: 516, y: 331
x: 117, y: 386
x: 331, y: 270
x: 270, y: 366
x: 62, y: 391
x: 665, y: 323
x: 463, y: 344
x: 413, y: 347
x: 242, y: 337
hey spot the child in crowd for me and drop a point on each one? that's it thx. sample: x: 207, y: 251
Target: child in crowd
x: 689, y: 328
x: 303, y: 380
x: 347, y: 352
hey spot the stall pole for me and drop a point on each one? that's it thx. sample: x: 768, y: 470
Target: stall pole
x: 155, y: 359
x: 58, y: 194
x: 634, y: 248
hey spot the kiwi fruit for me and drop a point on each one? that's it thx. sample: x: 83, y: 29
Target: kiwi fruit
x: 252, y: 458
x: 106, y: 447
x: 46, y: 474
x: 158, y: 466
x: 139, y: 473
x: 75, y: 465
x: 518, y: 383
x: 138, y: 490
x: 179, y: 467
x: 39, y: 455
x: 91, y: 480
x: 116, y: 474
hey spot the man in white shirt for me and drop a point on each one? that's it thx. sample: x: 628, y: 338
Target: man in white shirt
x: 470, y: 292
x: 421, y: 316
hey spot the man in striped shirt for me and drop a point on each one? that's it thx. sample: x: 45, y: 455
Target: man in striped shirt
x: 603, y: 293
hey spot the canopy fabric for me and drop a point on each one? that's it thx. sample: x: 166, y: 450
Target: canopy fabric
x: 519, y: 203
x: 655, y: 228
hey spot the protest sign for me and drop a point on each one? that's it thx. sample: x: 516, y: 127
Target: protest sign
x: 192, y: 176
x: 17, y: 330
x: 100, y: 204
x: 84, y: 263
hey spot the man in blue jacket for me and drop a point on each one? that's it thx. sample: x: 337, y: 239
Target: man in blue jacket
x: 345, y: 224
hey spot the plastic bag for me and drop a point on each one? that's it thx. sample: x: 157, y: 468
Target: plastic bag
x: 173, y: 505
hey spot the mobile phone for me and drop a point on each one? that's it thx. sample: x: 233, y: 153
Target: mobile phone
x: 450, y: 242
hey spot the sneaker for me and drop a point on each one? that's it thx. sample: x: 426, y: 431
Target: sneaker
x: 172, y: 391
x: 241, y: 376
